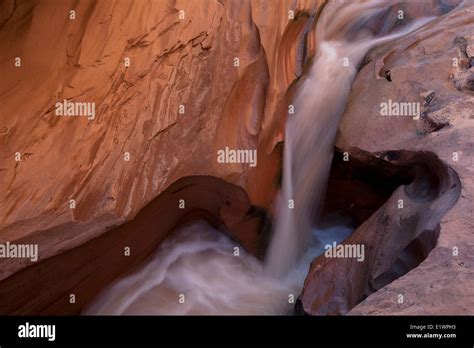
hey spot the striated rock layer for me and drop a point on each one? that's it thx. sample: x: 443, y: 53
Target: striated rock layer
x: 172, y: 82
x: 434, y: 68
x: 444, y: 282
x: 84, y: 270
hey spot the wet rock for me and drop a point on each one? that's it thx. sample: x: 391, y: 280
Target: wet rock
x: 83, y: 271
x: 167, y: 95
x: 438, y: 201
x: 336, y: 285
x: 172, y: 83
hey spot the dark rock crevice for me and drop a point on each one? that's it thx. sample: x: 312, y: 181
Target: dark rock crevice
x: 45, y: 287
x: 396, y: 200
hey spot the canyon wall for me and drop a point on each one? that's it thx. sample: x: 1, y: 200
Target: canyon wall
x: 140, y: 141
x: 175, y: 81
x: 441, y: 61
x: 172, y: 82
x: 434, y: 68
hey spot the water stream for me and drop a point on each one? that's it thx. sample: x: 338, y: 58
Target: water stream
x: 199, y: 262
x: 195, y: 270
x: 343, y: 41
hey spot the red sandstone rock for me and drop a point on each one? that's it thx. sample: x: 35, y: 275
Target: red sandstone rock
x: 176, y: 58
x: 173, y: 62
x: 190, y: 62
x: 84, y: 270
x: 444, y: 282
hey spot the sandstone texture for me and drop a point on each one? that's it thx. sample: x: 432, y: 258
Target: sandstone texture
x: 205, y: 75
x: 182, y: 97
x: 418, y: 68
x: 173, y: 62
x: 444, y: 282
x: 86, y: 269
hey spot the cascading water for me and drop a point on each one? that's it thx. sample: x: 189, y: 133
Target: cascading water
x: 195, y: 271
x: 342, y: 42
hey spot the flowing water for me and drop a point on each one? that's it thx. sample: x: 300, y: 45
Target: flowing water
x: 195, y: 271
x: 198, y: 262
x: 342, y: 43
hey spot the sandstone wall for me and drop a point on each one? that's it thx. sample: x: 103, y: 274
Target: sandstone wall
x: 176, y: 58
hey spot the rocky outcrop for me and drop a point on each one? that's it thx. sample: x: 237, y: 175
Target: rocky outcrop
x: 86, y: 269
x: 444, y: 282
x: 172, y: 83
x: 175, y: 81
x: 404, y: 227
x: 438, y: 58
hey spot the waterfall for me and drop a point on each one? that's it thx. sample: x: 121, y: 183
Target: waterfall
x: 342, y: 42
x: 195, y: 270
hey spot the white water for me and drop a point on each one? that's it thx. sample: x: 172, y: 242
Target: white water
x: 310, y: 133
x: 199, y: 262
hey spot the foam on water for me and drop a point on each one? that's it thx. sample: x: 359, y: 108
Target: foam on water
x: 342, y: 42
x: 199, y: 262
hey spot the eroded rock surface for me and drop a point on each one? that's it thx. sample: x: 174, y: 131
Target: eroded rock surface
x: 185, y: 96
x: 182, y: 97
x: 335, y: 285
x: 433, y: 68
x: 86, y: 269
